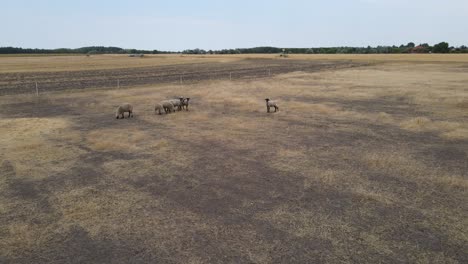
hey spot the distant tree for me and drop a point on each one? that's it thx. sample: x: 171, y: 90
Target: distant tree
x: 410, y: 45
x: 442, y: 47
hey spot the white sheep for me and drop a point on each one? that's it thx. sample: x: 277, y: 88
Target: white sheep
x: 159, y: 108
x: 168, y: 106
x: 270, y: 103
x: 123, y: 108
x: 177, y: 102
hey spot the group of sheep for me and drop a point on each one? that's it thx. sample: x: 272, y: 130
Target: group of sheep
x: 169, y: 106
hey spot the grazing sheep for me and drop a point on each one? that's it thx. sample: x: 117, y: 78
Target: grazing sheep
x: 168, y: 106
x: 177, y: 102
x: 185, y: 103
x: 159, y: 108
x: 126, y: 107
x: 270, y: 103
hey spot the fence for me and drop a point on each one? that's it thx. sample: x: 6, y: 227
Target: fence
x: 27, y: 85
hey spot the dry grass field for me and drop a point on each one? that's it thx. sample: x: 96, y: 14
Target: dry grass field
x: 360, y: 165
x: 58, y: 63
x: 95, y: 62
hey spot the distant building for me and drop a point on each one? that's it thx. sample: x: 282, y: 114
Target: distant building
x: 419, y: 49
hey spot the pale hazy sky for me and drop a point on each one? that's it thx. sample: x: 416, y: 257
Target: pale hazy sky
x: 209, y: 24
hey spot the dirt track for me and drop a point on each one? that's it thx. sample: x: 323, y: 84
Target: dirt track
x: 24, y: 83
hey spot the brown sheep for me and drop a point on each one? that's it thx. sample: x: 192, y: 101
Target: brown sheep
x: 185, y: 103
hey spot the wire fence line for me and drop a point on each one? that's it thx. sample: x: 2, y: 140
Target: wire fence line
x: 37, y: 87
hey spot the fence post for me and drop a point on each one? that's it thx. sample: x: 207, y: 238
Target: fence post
x: 37, y: 90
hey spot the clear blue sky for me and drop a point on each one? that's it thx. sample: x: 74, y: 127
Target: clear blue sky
x: 209, y: 24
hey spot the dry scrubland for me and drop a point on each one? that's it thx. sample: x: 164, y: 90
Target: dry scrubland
x: 362, y: 165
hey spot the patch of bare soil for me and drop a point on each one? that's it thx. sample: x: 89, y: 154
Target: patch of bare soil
x: 18, y: 83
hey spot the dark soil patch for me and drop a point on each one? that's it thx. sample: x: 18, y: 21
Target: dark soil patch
x: 25, y: 83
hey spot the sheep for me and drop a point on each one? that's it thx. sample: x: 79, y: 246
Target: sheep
x: 121, y: 109
x: 159, y: 108
x: 168, y: 106
x: 185, y: 103
x: 270, y: 103
x: 177, y: 102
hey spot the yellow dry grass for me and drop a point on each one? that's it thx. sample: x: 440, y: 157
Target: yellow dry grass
x: 96, y: 62
x: 81, y: 62
x: 446, y: 129
x: 359, y: 165
x: 122, y: 140
x: 29, y: 144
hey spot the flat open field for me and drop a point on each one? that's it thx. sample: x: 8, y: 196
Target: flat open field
x: 364, y: 163
x: 151, y: 70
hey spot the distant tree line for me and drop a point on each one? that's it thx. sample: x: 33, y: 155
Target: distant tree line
x: 442, y: 47
x: 84, y: 50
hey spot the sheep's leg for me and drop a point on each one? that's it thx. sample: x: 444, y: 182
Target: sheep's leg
x: 268, y: 109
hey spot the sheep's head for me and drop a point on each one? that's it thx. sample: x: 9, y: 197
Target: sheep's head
x: 267, y: 99
x: 187, y: 99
